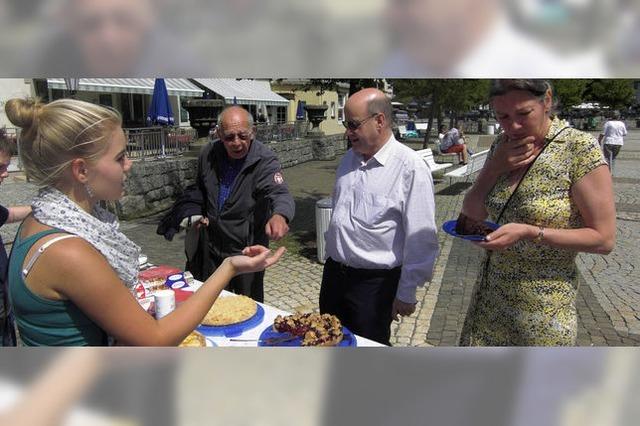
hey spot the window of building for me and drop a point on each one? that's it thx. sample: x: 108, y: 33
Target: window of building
x: 341, y: 102
x: 56, y: 94
x: 333, y: 110
x: 184, y: 114
x: 105, y: 100
x: 281, y: 114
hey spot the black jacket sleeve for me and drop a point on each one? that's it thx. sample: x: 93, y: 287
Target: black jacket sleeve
x: 189, y: 204
x: 272, y: 186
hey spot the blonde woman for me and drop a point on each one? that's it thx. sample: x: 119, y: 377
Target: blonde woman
x: 71, y: 269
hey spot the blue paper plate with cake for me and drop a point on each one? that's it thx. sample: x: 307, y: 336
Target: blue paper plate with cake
x: 231, y: 316
x: 307, y: 330
x: 469, y: 229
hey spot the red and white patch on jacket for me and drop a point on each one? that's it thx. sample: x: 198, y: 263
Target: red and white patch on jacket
x: 278, y: 178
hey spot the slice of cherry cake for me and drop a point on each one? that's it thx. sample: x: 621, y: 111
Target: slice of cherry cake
x: 315, y: 329
x: 469, y: 226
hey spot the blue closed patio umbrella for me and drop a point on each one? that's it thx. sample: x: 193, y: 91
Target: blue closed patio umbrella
x: 160, y: 112
x: 300, y: 111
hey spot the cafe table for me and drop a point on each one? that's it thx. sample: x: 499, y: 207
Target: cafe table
x: 250, y: 336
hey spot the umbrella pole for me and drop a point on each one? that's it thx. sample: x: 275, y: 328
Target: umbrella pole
x: 162, y: 141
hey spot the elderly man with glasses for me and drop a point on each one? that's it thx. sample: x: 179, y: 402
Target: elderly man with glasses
x: 246, y: 200
x: 381, y: 242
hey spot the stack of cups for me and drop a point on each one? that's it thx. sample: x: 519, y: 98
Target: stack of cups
x: 165, y: 302
x: 188, y: 277
x: 176, y: 281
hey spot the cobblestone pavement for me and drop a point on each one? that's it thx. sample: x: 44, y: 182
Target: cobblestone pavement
x: 608, y: 297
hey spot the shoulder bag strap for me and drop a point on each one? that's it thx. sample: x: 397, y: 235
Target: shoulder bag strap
x: 504, y: 208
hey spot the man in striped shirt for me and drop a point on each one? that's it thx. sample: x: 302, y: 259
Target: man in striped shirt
x: 381, y: 240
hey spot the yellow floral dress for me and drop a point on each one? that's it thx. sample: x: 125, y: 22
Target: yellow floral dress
x: 526, y: 294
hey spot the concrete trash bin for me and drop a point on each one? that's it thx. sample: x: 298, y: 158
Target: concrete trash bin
x: 491, y: 129
x: 323, y: 216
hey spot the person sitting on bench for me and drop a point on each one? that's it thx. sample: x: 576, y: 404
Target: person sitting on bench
x: 453, y: 142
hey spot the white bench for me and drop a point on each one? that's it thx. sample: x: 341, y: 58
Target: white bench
x: 427, y: 156
x: 476, y: 161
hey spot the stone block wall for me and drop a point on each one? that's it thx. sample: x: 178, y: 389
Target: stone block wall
x: 153, y: 185
x: 300, y: 151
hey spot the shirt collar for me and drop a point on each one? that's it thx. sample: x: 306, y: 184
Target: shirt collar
x: 383, y: 154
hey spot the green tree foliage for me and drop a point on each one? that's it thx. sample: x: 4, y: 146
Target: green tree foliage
x: 455, y: 96
x: 569, y: 92
x: 614, y: 93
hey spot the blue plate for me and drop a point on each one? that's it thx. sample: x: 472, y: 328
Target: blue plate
x: 233, y: 330
x: 450, y: 228
x: 348, y: 340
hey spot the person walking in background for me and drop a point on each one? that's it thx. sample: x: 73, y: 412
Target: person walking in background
x: 246, y: 200
x: 546, y: 184
x: 612, y: 138
x: 7, y: 215
x: 381, y: 241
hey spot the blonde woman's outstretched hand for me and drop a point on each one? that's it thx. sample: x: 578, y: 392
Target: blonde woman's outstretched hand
x: 255, y: 258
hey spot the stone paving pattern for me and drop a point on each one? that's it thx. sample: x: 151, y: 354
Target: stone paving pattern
x: 609, y: 293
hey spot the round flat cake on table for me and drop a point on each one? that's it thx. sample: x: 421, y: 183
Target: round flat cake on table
x: 231, y: 315
x: 230, y: 310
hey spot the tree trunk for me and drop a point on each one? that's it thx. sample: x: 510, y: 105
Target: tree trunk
x: 432, y: 111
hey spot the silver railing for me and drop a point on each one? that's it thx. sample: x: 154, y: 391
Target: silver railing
x: 282, y: 131
x: 158, y: 142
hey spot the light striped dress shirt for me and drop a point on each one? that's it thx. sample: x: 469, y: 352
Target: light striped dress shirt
x: 384, y: 215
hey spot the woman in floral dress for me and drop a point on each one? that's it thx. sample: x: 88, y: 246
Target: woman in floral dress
x: 549, y: 188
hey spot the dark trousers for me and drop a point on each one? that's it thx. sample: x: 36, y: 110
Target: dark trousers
x: 361, y: 298
x: 251, y: 285
x: 611, y: 151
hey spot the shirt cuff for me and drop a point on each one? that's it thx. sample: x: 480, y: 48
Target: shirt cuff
x: 406, y: 293
x: 286, y: 218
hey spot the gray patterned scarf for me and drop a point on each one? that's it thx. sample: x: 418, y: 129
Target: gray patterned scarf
x: 53, y: 208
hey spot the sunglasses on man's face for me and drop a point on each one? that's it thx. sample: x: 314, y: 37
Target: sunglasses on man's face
x: 230, y: 137
x: 354, y: 125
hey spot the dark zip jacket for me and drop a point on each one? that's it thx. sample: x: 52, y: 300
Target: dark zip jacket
x: 189, y: 204
x: 258, y: 192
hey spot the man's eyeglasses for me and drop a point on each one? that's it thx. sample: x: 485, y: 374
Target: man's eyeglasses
x: 230, y: 137
x: 354, y: 125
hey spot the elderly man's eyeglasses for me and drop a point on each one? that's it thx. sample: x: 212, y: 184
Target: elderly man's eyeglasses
x: 354, y: 125
x: 230, y: 137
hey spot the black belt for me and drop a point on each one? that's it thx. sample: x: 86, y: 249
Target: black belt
x: 364, y: 271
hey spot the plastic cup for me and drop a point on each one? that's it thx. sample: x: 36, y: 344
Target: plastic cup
x: 165, y: 302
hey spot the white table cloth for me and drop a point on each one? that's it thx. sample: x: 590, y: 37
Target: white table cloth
x: 270, y: 313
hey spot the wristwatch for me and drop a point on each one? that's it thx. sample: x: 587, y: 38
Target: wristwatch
x: 540, y: 236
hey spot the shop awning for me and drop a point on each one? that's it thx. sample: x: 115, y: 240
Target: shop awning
x: 175, y: 86
x: 245, y: 92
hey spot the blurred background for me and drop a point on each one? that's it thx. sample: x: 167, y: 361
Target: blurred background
x: 440, y: 386
x: 330, y: 38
